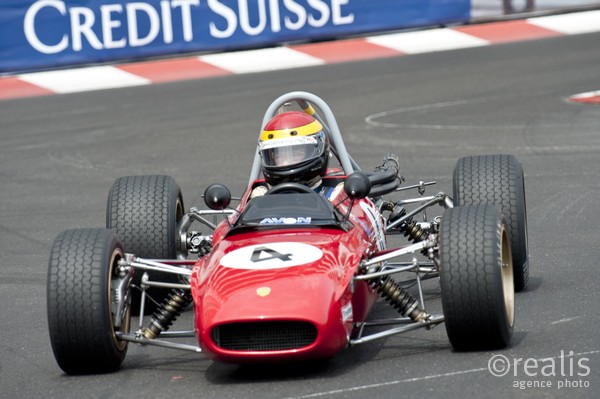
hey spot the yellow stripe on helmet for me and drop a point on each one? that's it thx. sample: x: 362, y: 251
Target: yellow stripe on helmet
x: 306, y: 130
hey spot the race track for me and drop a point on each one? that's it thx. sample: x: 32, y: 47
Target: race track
x: 60, y: 154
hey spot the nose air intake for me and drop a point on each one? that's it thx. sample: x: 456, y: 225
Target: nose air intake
x: 264, y: 335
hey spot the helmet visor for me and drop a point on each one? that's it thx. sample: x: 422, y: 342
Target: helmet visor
x: 292, y: 151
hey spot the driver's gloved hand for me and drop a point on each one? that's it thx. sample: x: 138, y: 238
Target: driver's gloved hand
x: 258, y: 191
x: 391, y: 157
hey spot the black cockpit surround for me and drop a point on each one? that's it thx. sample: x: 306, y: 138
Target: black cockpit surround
x: 297, y: 210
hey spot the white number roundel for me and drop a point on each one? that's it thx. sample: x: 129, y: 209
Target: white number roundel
x: 276, y: 255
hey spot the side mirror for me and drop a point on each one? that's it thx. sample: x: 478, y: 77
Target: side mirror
x: 217, y: 197
x: 357, y: 185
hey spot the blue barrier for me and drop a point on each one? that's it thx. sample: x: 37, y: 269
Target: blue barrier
x: 42, y: 34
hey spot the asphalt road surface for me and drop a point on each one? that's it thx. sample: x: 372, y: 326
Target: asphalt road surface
x: 60, y: 154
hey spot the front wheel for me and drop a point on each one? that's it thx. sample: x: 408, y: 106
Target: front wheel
x: 82, y: 304
x: 476, y: 277
x: 498, y: 180
x: 144, y: 211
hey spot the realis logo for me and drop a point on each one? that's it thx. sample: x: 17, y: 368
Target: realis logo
x: 299, y: 220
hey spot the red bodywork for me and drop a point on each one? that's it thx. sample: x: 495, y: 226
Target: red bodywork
x: 284, y: 293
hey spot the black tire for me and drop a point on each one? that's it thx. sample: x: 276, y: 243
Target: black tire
x: 499, y: 180
x: 81, y: 273
x: 476, y: 278
x: 144, y: 210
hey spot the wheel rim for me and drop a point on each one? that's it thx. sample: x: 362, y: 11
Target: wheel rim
x: 507, y: 279
x: 113, y: 279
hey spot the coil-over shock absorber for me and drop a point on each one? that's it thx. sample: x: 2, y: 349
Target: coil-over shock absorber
x: 413, y: 231
x: 167, y: 312
x: 400, y: 300
x: 410, y: 228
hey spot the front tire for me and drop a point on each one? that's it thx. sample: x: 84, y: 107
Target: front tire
x: 144, y: 211
x: 498, y: 180
x: 82, y: 274
x: 476, y: 278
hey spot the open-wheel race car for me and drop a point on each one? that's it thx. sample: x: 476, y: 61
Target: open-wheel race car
x: 292, y: 274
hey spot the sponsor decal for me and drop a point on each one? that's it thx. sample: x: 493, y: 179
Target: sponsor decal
x: 102, y: 26
x: 68, y: 32
x: 284, y: 220
x: 375, y: 220
x: 268, y: 256
x: 347, y: 312
x: 122, y: 23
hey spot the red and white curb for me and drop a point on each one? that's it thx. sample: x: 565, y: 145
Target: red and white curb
x: 591, y: 97
x: 296, y: 56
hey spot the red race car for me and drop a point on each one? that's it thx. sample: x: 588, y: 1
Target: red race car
x: 294, y: 271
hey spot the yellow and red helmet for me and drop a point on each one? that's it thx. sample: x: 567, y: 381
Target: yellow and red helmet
x: 293, y: 148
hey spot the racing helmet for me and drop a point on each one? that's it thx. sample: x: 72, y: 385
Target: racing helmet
x: 293, y: 148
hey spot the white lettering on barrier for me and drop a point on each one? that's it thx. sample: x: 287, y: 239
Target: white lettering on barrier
x: 245, y: 18
x: 165, y: 9
x: 338, y: 18
x: 226, y: 22
x: 83, y: 27
x: 322, y: 9
x: 132, y: 29
x: 319, y: 14
x: 230, y: 18
x: 298, y: 11
x: 82, y: 21
x: 186, y: 16
x: 29, y: 27
x: 108, y: 24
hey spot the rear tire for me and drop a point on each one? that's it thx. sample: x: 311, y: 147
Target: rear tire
x: 144, y: 210
x: 498, y: 180
x: 81, y: 273
x: 476, y: 278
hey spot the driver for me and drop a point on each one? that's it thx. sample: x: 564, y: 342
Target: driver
x: 294, y: 148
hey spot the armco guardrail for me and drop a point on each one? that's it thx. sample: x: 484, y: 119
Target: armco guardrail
x: 44, y: 34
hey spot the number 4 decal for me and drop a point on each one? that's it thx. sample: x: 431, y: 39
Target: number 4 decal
x: 273, y: 254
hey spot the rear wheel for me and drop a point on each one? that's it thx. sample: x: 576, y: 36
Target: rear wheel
x: 498, y: 180
x: 476, y: 277
x: 82, y: 307
x: 144, y: 210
